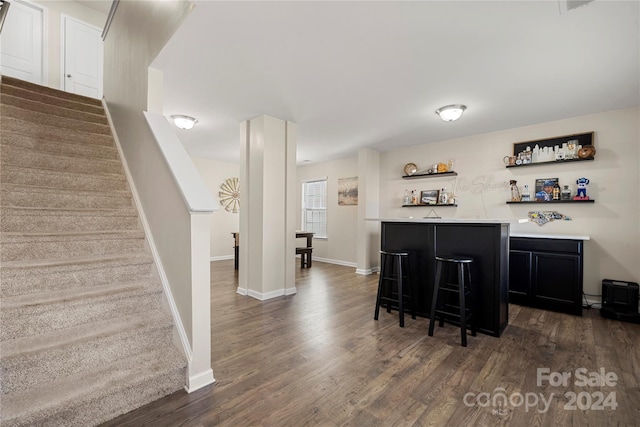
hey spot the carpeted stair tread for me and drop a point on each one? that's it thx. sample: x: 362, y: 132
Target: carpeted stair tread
x: 25, y: 219
x: 20, y: 210
x: 49, y: 99
x: 10, y: 236
x: 90, y: 331
x: 28, y: 220
x: 115, y: 176
x: 35, y: 196
x: 53, y: 133
x: 25, y: 277
x: 70, y: 295
x: 53, y: 110
x: 32, y: 246
x: 64, y: 148
x: 78, y: 262
x: 54, y: 161
x: 126, y: 377
x: 45, y: 358
x: 16, y: 174
x: 11, y: 81
x: 37, y: 118
x: 58, y: 310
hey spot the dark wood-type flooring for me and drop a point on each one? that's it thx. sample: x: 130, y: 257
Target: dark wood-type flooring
x: 318, y: 358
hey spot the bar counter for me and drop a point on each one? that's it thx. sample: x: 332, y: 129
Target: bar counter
x: 486, y: 241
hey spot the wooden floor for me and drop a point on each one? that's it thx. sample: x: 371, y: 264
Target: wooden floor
x: 318, y: 358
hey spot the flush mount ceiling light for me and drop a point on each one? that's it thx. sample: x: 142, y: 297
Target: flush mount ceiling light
x: 184, y: 122
x: 450, y: 113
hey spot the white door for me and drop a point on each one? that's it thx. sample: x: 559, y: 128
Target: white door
x: 21, y: 42
x: 82, y: 58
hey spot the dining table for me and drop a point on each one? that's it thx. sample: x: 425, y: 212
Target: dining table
x: 308, y: 235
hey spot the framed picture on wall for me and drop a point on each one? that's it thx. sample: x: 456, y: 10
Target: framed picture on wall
x: 544, y: 189
x: 348, y: 191
x: 429, y: 197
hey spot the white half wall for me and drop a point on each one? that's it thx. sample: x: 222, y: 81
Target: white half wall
x: 137, y: 33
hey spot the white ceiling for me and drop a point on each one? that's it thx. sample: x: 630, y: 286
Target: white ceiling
x: 371, y: 74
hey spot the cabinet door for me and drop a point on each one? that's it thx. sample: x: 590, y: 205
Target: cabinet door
x: 557, y: 282
x: 519, y: 276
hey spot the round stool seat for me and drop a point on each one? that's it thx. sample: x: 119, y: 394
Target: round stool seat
x: 394, y: 253
x: 456, y: 259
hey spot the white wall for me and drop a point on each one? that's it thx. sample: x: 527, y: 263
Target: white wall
x: 482, y: 187
x: 340, y: 245
x: 223, y: 223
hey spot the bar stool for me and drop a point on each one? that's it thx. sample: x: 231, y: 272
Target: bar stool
x: 394, y: 269
x: 442, y: 304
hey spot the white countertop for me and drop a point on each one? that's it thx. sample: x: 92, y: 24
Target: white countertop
x: 485, y: 221
x: 449, y: 220
x: 550, y: 236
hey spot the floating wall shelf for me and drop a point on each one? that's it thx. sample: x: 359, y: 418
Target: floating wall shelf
x: 549, y: 163
x: 430, y: 175
x: 551, y: 202
x: 426, y: 206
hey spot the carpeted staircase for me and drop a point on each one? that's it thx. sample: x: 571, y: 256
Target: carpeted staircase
x: 85, y: 334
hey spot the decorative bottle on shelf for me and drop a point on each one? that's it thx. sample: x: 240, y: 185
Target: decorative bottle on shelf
x: 444, y: 197
x: 565, y: 194
x: 555, y: 195
x: 407, y: 199
x: 414, y: 197
x: 515, y: 193
x: 526, y: 195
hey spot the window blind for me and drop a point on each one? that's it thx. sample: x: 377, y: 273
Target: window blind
x: 314, y: 207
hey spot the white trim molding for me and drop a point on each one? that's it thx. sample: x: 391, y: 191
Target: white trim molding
x: 196, y: 382
x: 221, y: 258
x: 269, y: 295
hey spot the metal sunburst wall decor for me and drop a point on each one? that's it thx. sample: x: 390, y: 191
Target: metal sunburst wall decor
x: 230, y: 195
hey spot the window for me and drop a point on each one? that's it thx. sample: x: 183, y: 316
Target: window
x: 314, y: 207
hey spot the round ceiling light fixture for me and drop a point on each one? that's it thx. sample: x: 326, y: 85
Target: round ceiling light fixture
x: 450, y: 113
x: 184, y: 122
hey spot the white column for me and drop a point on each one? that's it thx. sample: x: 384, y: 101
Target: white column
x: 368, y: 234
x: 267, y: 207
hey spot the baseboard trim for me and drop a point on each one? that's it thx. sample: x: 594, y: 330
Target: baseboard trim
x: 365, y: 272
x: 265, y: 296
x: 196, y: 382
x: 269, y: 295
x: 291, y: 291
x: 221, y: 258
x: 335, y: 261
